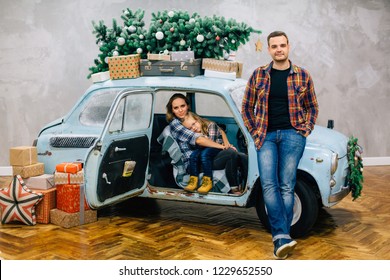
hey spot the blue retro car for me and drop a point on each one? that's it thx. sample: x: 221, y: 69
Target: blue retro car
x: 116, y: 129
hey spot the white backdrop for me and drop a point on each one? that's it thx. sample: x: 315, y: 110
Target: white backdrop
x: 46, y: 48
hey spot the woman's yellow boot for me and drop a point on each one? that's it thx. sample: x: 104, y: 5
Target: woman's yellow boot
x: 192, y: 184
x: 207, y: 185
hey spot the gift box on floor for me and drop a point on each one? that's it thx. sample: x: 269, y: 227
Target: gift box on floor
x: 29, y: 170
x: 223, y: 66
x: 41, y: 182
x: 68, y: 220
x: 158, y: 56
x: 23, y: 155
x: 68, y: 198
x: 42, y: 210
x: 100, y: 77
x: 69, y: 167
x: 124, y: 66
x: 61, y: 178
x: 182, y: 56
x: 171, y: 68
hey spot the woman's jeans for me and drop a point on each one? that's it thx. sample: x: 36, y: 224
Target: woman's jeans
x: 278, y: 160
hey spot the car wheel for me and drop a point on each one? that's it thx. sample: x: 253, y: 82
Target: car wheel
x: 305, y: 210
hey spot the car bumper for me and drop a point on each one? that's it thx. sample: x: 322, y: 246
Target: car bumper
x: 344, y: 191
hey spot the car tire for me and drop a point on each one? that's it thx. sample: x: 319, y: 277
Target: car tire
x: 305, y: 210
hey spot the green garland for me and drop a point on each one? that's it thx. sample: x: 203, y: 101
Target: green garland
x: 355, y: 162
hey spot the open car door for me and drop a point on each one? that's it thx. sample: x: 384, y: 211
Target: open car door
x: 116, y: 166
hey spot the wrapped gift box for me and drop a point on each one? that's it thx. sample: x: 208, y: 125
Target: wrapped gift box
x: 69, y: 167
x: 68, y: 220
x: 221, y: 75
x: 41, y: 182
x: 68, y: 198
x: 124, y: 67
x: 223, y: 66
x: 182, y: 56
x: 100, y: 77
x: 158, y: 56
x: 61, y: 178
x: 171, y: 68
x: 23, y: 155
x: 29, y: 170
x: 42, y: 210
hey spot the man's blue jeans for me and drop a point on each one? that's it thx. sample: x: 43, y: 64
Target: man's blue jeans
x: 278, y: 160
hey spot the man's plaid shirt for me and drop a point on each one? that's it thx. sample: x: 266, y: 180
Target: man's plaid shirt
x: 303, y: 106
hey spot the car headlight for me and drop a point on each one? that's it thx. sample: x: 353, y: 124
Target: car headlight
x: 334, y: 163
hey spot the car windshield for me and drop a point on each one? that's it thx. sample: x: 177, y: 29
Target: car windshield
x: 97, y: 107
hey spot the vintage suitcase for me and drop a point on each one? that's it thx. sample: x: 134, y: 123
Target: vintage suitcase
x: 190, y: 68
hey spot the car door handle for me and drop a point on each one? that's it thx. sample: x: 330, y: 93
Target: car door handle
x: 119, y: 149
x: 105, y: 177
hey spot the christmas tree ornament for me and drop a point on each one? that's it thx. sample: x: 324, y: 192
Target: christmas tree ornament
x: 171, y: 14
x: 141, y: 36
x: 182, y: 42
x: 106, y: 59
x: 115, y: 53
x: 217, y: 38
x: 132, y: 28
x: 200, y: 38
x: 159, y: 35
x: 139, y: 50
x: 233, y: 41
x: 191, y: 21
x: 225, y: 55
x: 172, y: 29
x: 166, y: 52
x: 120, y: 41
x: 101, y: 43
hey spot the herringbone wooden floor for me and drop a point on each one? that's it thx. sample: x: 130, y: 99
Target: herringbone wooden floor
x: 161, y: 230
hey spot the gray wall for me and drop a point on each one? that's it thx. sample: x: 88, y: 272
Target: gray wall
x: 46, y: 47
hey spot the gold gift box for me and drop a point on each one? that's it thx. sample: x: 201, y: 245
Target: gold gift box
x: 23, y: 155
x: 223, y: 66
x: 124, y: 66
x: 68, y: 220
x: 61, y: 178
x: 158, y: 56
x: 29, y: 170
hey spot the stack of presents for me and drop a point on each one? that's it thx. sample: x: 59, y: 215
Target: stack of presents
x: 180, y: 63
x: 35, y: 197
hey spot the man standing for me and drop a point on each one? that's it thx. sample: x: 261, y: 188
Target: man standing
x: 279, y: 109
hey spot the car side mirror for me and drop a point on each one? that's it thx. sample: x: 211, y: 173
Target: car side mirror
x: 330, y: 124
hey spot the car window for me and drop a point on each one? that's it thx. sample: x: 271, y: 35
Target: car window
x: 96, y: 110
x: 133, y: 113
x: 211, y: 105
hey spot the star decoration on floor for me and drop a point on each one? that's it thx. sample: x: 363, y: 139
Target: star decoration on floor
x: 18, y: 203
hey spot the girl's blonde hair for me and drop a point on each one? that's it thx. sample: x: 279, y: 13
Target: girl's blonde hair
x: 204, y: 123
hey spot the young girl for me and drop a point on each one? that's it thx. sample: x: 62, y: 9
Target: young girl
x: 228, y: 158
x: 203, y: 156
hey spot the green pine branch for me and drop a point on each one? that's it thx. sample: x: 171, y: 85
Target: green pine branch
x: 168, y: 31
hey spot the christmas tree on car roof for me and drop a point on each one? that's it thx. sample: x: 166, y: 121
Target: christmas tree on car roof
x: 169, y: 31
